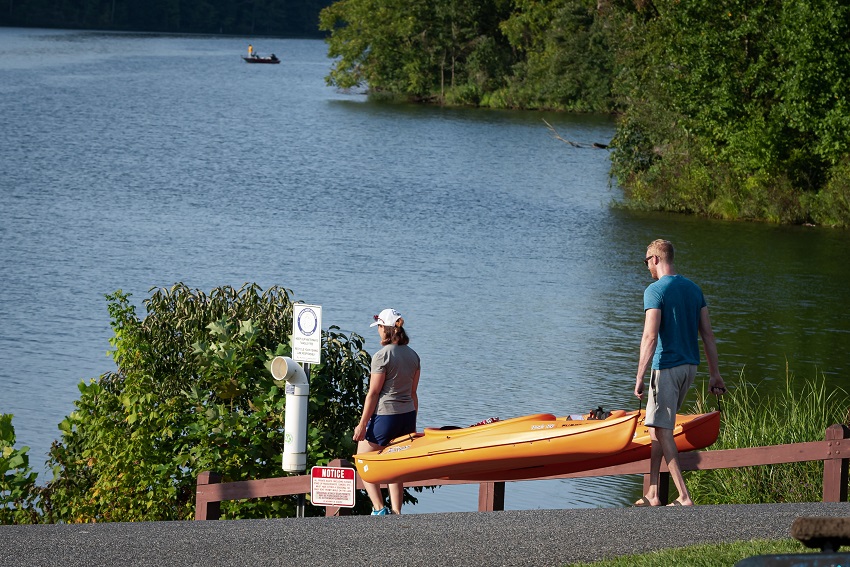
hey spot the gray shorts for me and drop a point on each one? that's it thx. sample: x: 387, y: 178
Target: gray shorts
x: 667, y: 390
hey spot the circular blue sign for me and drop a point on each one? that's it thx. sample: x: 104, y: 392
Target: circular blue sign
x: 315, y: 322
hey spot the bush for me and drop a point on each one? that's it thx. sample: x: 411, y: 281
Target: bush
x: 193, y: 392
x: 831, y: 207
x: 17, y: 480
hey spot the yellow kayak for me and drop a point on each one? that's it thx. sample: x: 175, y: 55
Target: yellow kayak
x: 692, y: 432
x: 538, y: 439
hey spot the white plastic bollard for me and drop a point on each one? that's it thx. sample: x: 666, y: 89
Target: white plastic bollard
x: 297, y: 388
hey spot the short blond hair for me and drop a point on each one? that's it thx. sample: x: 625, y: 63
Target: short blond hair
x: 661, y: 248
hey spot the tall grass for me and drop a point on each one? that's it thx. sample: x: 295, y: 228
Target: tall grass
x: 749, y: 419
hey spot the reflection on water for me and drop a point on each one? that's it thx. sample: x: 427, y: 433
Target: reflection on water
x: 133, y: 161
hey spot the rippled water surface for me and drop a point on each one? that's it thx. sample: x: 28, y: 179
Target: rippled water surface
x: 131, y: 161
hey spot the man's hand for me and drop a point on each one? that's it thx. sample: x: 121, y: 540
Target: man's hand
x: 716, y: 386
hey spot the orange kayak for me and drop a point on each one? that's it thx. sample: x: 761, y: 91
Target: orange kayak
x: 541, y: 439
x: 692, y: 432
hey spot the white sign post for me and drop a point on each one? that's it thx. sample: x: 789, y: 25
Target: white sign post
x: 307, y: 333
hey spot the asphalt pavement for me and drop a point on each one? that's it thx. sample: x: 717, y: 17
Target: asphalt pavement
x: 510, y: 538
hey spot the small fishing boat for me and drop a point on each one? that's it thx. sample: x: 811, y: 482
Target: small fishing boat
x: 257, y: 59
x: 541, y: 439
x: 692, y: 432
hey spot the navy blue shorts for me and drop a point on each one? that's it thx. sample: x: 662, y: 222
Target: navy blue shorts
x: 384, y: 428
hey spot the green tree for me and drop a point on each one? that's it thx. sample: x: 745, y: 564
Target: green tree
x: 496, y: 53
x: 473, y: 55
x: 381, y: 43
x: 567, y: 55
x: 420, y: 50
x: 193, y: 392
x: 733, y: 108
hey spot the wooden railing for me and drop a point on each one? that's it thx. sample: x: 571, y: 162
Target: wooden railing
x: 834, y: 451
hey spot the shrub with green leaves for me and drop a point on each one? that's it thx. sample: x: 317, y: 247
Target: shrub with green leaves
x: 193, y: 392
x: 17, y: 480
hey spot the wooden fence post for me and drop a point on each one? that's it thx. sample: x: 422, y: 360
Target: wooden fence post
x: 204, y: 509
x: 835, y: 466
x: 491, y: 496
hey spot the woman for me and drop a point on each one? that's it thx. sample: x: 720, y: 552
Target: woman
x: 391, y: 404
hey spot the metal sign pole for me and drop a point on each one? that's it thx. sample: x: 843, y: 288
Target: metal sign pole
x: 302, y: 501
x: 306, y: 349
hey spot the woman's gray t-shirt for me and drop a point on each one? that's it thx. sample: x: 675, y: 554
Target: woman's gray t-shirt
x: 399, y: 364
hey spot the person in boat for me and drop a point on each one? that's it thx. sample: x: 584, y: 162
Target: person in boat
x: 250, y: 50
x: 675, y: 314
x: 389, y: 410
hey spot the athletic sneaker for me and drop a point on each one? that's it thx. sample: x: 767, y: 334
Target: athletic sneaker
x: 382, y: 512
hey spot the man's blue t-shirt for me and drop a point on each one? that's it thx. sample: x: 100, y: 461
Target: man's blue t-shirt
x: 680, y: 301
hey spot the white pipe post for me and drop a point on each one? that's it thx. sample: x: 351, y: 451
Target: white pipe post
x: 297, y: 388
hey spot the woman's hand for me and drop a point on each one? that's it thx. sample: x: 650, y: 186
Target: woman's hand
x: 359, y: 433
x: 376, y: 382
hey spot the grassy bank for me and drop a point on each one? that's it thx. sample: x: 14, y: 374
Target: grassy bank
x: 720, y: 555
x: 801, y: 413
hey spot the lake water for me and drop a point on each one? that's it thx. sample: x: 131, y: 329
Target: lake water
x: 129, y: 161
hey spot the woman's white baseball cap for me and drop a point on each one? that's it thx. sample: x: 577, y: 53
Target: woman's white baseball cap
x: 387, y: 318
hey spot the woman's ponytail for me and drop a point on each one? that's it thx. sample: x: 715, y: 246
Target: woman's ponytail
x: 396, y: 335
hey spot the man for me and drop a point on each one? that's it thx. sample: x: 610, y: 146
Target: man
x: 675, y: 313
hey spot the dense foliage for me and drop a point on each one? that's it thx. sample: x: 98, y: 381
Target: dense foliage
x: 496, y: 53
x: 258, y: 17
x: 736, y: 109
x: 193, y: 392
x: 17, y: 479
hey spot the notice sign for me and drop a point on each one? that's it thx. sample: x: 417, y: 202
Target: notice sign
x: 332, y: 486
x: 307, y: 333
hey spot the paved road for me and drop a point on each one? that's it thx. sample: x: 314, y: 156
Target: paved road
x: 510, y: 538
